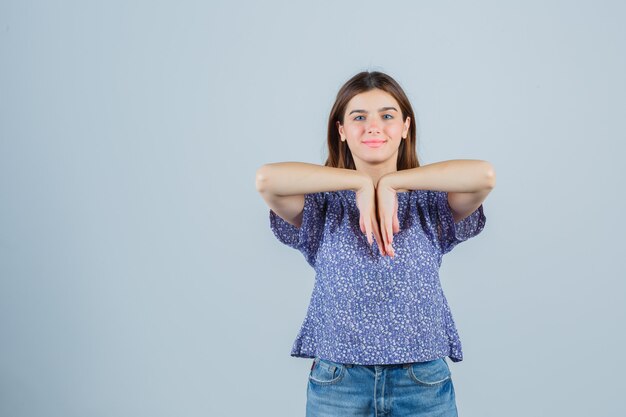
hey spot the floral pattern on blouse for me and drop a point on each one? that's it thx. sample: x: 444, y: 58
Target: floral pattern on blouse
x: 368, y: 309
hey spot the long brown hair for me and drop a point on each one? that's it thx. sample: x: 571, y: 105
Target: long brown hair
x: 339, y: 155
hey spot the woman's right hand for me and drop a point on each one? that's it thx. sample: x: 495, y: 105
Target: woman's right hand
x: 368, y: 220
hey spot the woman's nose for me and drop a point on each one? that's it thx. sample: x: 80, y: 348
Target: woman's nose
x: 373, y: 127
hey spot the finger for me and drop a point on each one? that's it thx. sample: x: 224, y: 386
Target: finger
x: 368, y: 231
x: 383, y: 229
x: 389, y: 237
x: 386, y: 226
x: 381, y: 246
x: 376, y: 226
x: 396, y: 223
x: 385, y: 232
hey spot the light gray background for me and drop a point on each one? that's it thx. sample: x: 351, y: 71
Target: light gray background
x: 138, y: 273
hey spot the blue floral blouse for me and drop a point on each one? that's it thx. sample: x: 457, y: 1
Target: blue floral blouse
x: 370, y: 309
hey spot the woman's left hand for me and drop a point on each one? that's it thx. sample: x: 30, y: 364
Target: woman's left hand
x: 387, y: 204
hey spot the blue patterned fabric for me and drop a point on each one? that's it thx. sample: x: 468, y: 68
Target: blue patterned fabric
x: 368, y: 309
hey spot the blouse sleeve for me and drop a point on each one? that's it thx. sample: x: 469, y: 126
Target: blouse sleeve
x: 444, y: 231
x: 308, y: 237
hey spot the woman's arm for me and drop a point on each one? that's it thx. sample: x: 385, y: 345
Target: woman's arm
x: 467, y: 182
x: 457, y: 175
x: 283, y: 185
x: 283, y: 179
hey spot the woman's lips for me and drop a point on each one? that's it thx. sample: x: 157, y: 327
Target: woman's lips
x: 374, y: 143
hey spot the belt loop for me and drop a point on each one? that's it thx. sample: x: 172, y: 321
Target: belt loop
x: 315, y: 361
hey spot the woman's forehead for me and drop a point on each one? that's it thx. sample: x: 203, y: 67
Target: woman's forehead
x: 372, y: 101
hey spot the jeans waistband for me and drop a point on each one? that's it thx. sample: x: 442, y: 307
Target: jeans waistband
x: 388, y: 366
x: 373, y: 367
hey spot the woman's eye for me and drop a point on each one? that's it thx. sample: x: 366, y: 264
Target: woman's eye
x: 384, y: 116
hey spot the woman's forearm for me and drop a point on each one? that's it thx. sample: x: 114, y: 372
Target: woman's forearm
x: 459, y: 175
x: 292, y: 178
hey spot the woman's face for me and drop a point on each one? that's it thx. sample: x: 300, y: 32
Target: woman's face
x: 373, y: 127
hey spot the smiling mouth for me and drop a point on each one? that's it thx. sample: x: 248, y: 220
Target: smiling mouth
x: 374, y: 143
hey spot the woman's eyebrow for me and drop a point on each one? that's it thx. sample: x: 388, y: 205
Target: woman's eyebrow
x: 381, y: 109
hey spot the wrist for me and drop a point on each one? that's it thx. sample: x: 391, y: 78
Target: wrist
x: 365, y: 181
x: 386, y: 181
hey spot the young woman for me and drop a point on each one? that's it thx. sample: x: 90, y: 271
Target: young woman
x: 374, y: 225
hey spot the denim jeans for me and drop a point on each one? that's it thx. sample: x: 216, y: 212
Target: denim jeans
x: 410, y: 389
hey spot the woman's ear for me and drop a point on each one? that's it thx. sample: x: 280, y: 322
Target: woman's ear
x: 407, y: 125
x: 339, y: 129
